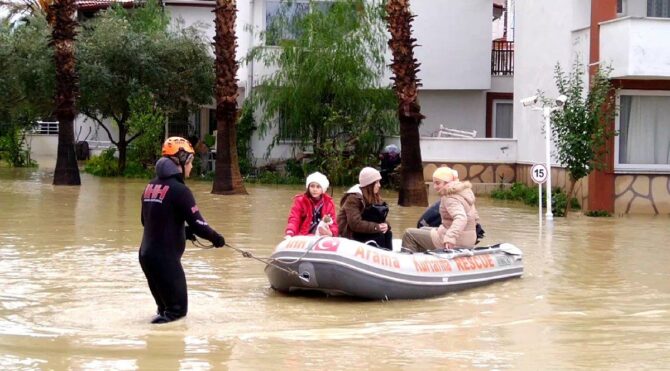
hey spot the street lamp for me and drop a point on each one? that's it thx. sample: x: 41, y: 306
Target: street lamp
x: 547, y: 108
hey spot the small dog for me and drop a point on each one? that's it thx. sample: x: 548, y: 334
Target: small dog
x: 324, y: 223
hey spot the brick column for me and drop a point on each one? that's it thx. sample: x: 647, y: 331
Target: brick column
x: 601, y: 183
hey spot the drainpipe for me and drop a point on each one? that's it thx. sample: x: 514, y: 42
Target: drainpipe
x: 250, y: 64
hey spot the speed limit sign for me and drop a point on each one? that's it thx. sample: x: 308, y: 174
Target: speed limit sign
x: 538, y: 173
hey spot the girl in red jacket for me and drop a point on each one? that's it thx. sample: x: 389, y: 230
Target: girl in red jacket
x: 310, y: 208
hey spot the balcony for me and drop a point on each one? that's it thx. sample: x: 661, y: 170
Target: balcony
x: 636, y: 48
x: 502, y: 58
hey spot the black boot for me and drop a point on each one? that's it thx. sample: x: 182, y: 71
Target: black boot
x: 159, y: 318
x: 167, y: 316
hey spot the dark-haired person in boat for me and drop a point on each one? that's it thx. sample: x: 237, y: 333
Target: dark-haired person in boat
x: 362, y: 215
x: 310, y: 207
x: 167, y: 204
x: 457, y: 211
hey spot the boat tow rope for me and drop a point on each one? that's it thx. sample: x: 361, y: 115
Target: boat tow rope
x: 247, y: 254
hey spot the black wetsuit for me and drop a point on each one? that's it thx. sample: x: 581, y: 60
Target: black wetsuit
x: 166, y: 204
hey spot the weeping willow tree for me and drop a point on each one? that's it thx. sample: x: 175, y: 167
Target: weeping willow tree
x: 326, y: 92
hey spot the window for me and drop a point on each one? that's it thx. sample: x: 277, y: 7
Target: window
x: 620, y: 7
x: 285, y: 135
x: 280, y: 17
x: 502, y: 119
x: 658, y: 8
x: 644, y: 131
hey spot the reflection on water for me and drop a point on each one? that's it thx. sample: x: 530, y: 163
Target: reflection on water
x: 595, y: 292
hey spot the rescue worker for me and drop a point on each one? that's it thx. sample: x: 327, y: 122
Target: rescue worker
x: 166, y: 204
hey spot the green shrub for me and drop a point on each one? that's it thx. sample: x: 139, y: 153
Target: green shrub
x: 147, y: 119
x: 209, y: 140
x: 598, y: 213
x: 13, y: 147
x: 104, y: 165
x: 136, y: 170
x: 530, y: 195
x: 245, y: 129
x: 273, y: 177
x: 294, y: 169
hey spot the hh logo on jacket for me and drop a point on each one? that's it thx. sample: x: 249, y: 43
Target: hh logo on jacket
x: 155, y: 192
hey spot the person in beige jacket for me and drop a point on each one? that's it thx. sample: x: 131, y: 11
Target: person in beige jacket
x: 458, y: 212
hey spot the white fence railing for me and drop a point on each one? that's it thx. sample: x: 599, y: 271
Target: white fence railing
x: 444, y: 132
x: 99, y: 144
x: 46, y: 128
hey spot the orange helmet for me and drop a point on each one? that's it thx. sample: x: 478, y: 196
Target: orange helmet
x: 178, y: 147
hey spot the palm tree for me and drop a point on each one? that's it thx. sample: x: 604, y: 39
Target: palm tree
x: 227, y: 177
x: 61, y: 15
x: 405, y: 67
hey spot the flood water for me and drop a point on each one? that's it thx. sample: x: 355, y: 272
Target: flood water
x: 595, y: 293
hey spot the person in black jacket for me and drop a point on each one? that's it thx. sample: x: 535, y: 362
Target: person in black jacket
x: 167, y: 204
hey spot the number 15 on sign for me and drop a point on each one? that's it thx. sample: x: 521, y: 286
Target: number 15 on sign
x: 538, y: 173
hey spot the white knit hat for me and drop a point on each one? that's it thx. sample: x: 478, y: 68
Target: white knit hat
x: 319, y: 179
x: 368, y: 176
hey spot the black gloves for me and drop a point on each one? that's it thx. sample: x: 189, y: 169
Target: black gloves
x: 218, y: 241
x: 189, y: 233
x: 480, y: 232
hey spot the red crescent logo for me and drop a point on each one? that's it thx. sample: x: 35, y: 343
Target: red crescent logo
x: 327, y: 244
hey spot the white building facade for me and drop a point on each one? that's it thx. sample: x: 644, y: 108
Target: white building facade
x: 454, y: 50
x: 631, y: 37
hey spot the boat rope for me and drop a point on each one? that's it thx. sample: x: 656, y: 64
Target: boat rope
x: 247, y: 254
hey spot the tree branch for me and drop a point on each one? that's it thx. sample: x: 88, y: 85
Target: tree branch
x: 95, y: 118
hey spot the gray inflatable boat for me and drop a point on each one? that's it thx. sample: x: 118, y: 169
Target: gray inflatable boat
x: 339, y: 266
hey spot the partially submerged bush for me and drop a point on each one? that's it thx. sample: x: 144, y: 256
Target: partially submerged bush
x: 530, y: 195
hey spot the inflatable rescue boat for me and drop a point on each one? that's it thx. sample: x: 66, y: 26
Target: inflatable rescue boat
x: 339, y: 266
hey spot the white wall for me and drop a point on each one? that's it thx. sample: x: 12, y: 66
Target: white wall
x: 455, y: 39
x: 87, y: 129
x: 579, y: 13
x: 46, y: 146
x: 454, y: 52
x: 204, y: 18
x: 462, y: 109
x: 543, y: 38
x: 42, y: 145
x: 484, y: 150
x: 502, y: 84
x: 636, y: 47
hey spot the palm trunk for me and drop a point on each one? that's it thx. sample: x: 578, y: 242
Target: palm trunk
x: 227, y: 177
x: 61, y: 16
x: 404, y: 66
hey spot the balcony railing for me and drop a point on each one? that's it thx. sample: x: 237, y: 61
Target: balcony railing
x: 46, y: 128
x: 502, y: 58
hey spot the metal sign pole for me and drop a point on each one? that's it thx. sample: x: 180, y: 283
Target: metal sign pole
x: 539, y: 175
x: 547, y: 128
x: 539, y: 201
